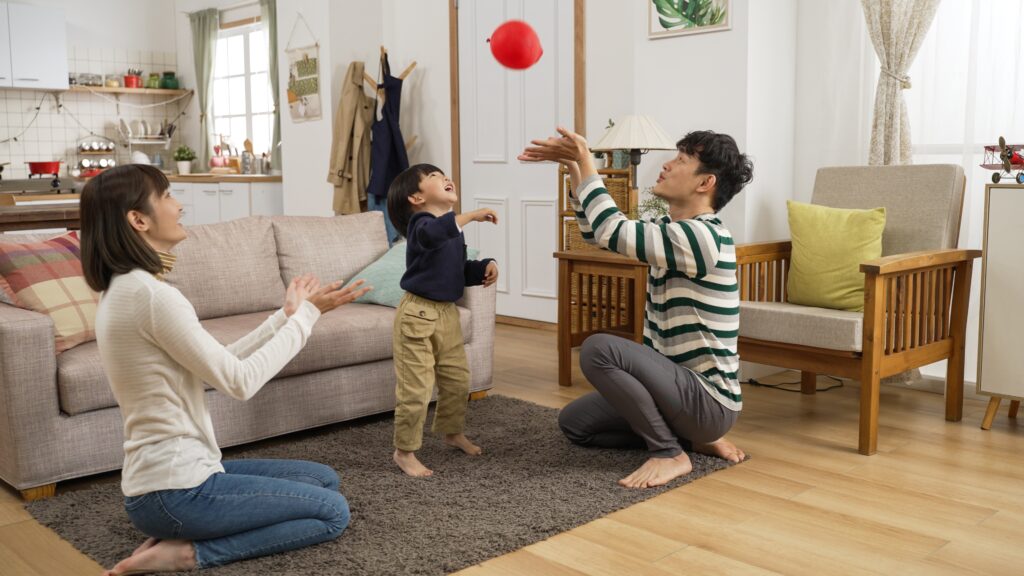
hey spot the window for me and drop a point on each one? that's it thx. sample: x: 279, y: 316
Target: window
x: 242, y: 103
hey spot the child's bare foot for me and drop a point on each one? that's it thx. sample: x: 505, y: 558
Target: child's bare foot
x: 658, y: 471
x: 162, y: 556
x: 462, y: 443
x: 722, y: 448
x: 409, y: 464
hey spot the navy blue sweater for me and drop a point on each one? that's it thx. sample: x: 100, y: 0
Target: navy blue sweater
x: 435, y: 259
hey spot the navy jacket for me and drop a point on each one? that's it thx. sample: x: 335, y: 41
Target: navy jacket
x: 436, y: 267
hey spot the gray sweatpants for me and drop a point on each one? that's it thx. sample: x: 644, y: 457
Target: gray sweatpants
x: 642, y: 399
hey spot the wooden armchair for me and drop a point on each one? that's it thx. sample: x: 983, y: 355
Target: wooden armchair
x: 915, y: 296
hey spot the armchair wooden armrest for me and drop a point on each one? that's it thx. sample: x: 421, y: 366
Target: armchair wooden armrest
x: 914, y: 261
x: 761, y: 251
x: 762, y: 269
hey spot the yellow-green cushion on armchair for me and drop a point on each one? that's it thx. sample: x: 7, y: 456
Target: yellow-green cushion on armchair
x: 829, y: 245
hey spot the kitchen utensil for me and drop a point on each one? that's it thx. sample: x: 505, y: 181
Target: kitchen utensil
x: 131, y: 81
x: 247, y: 145
x: 86, y: 163
x: 139, y: 129
x: 153, y: 81
x: 41, y: 168
x: 169, y: 81
x: 140, y: 157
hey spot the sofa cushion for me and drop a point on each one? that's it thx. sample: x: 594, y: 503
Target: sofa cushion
x: 803, y: 325
x: 229, y: 268
x: 46, y: 277
x: 302, y: 243
x: 352, y: 334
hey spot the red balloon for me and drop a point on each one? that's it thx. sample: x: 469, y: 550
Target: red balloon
x: 515, y: 45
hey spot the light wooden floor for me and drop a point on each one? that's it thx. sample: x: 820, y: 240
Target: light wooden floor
x: 939, y: 498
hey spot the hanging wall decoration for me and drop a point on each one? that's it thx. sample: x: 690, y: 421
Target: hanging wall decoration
x: 303, y: 78
x: 677, y: 17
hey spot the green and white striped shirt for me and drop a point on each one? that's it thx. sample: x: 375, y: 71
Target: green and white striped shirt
x: 693, y: 308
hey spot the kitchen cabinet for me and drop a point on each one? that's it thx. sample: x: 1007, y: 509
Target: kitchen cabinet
x: 5, y: 49
x: 212, y: 202
x: 36, y: 40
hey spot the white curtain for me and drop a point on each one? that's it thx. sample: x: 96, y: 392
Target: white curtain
x: 897, y: 28
x: 969, y: 91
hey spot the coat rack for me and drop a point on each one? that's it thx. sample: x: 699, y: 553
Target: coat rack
x: 379, y: 90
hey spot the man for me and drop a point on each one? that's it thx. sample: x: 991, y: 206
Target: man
x: 679, y: 388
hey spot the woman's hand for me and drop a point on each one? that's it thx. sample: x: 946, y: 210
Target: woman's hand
x: 491, y: 274
x: 333, y: 295
x: 299, y: 289
x: 325, y: 298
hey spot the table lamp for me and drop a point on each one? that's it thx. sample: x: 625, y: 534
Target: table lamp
x: 638, y: 134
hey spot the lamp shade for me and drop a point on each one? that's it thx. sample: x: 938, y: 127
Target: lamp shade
x: 634, y: 133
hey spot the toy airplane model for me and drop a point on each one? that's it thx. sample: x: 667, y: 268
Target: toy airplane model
x: 1003, y: 159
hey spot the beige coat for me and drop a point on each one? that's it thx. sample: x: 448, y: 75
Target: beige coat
x: 350, y: 150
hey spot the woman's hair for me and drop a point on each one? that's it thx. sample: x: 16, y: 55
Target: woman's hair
x: 402, y: 187
x: 109, y: 244
x: 719, y: 155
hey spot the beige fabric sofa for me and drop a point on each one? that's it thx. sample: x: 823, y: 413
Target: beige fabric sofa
x: 59, y: 420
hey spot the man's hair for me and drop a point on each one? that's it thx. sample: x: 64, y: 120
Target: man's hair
x: 719, y: 155
x: 402, y: 187
x: 109, y: 244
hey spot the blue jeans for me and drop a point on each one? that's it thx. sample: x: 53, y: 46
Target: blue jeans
x: 254, y: 508
x: 381, y: 205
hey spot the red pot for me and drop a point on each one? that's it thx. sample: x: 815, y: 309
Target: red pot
x: 133, y: 82
x: 35, y: 168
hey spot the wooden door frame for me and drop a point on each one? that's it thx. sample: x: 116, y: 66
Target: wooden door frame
x: 579, y: 70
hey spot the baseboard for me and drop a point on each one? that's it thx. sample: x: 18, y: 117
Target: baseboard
x: 524, y: 323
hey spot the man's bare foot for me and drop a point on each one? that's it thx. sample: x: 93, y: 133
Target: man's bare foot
x: 409, y: 464
x: 722, y: 448
x: 163, y: 556
x: 658, y: 472
x: 149, y: 543
x: 462, y: 443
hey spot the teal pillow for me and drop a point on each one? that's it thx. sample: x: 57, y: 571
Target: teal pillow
x: 385, y: 275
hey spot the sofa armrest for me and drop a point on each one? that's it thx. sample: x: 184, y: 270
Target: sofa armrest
x: 917, y: 261
x: 481, y: 302
x: 29, y: 407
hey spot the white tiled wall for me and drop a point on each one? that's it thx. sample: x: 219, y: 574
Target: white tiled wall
x: 55, y: 133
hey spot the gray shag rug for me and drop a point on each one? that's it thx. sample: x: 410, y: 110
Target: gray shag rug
x: 530, y: 484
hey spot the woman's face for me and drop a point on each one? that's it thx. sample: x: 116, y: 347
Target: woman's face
x: 162, y: 229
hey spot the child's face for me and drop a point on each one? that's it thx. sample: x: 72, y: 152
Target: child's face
x: 436, y: 194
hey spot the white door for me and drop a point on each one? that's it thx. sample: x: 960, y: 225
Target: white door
x: 5, y: 48
x: 234, y: 201
x: 39, y: 53
x: 500, y: 111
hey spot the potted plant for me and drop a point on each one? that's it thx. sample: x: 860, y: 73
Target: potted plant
x: 184, y: 157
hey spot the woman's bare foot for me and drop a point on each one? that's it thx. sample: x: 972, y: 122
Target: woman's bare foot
x: 409, y: 464
x: 162, y: 556
x: 722, y: 448
x: 462, y: 443
x: 149, y: 543
x: 658, y: 472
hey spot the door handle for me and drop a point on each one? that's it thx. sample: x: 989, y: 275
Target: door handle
x: 227, y: 191
x: 211, y: 192
x: 27, y: 79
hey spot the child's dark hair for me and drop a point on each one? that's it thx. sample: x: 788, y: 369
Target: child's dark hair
x: 402, y: 187
x: 719, y: 155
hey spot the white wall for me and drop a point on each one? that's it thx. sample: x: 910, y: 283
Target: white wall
x: 610, y: 52
x: 128, y: 24
x: 771, y: 110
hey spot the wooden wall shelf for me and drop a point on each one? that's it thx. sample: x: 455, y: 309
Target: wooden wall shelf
x: 119, y: 90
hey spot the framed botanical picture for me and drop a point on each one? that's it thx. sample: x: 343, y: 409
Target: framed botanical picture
x: 677, y: 17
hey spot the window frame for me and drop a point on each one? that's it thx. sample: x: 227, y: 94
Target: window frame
x: 223, y: 35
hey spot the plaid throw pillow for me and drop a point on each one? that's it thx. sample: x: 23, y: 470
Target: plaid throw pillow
x: 46, y: 277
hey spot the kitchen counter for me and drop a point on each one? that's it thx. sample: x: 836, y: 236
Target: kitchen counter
x: 201, y: 178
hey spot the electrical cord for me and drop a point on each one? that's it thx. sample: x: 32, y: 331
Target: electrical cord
x: 38, y: 107
x: 780, y: 385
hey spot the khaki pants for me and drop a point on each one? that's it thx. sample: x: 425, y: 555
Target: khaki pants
x: 428, y: 348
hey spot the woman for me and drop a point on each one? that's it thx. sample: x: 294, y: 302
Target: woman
x: 197, y: 511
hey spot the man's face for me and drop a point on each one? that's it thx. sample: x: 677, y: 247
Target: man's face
x: 679, y: 180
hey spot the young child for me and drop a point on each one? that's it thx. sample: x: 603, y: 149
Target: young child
x: 428, y: 344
